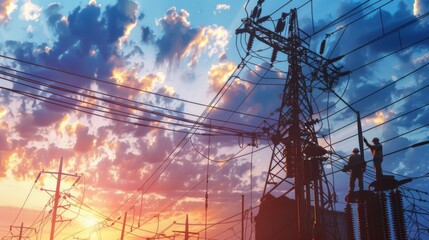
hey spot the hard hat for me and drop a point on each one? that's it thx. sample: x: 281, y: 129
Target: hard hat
x: 355, y: 150
x: 375, y: 139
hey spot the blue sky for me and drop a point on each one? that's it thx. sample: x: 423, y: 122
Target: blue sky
x: 113, y: 88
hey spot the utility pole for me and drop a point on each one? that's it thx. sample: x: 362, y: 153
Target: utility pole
x: 296, y: 154
x: 123, y: 226
x: 242, y: 217
x: 187, y: 233
x: 56, y: 199
x: 20, y: 230
x: 187, y: 228
x: 59, y: 175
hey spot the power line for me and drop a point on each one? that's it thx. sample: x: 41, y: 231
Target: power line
x: 111, y: 110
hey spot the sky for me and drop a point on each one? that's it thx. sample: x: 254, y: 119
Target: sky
x: 151, y: 107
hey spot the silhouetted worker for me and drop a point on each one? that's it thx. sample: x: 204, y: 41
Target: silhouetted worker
x: 377, y: 156
x: 357, y: 167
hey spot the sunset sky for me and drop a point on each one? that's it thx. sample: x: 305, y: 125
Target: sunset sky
x: 137, y: 100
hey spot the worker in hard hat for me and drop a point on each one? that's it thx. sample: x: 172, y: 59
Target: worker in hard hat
x: 377, y: 156
x: 357, y: 167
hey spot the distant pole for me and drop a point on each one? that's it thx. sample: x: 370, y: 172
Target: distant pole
x: 20, y: 231
x: 187, y: 228
x: 123, y: 226
x: 56, y: 199
x: 242, y: 217
x: 207, y: 187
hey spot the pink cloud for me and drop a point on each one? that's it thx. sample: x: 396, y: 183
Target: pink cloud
x: 84, y: 141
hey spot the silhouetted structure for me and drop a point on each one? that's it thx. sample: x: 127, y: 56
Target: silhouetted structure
x: 277, y: 220
x: 376, y: 214
x: 296, y: 154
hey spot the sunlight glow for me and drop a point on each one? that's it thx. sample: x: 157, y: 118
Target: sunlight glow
x: 119, y: 75
x: 380, y: 117
x: 89, y: 221
x: 3, y: 112
x: 416, y: 9
x: 169, y: 90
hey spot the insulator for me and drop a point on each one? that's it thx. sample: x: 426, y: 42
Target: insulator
x: 250, y: 42
x: 342, y: 74
x: 401, y: 219
x: 383, y: 230
x: 284, y: 15
x: 350, y: 223
x: 274, y: 55
x: 254, y: 12
x: 363, y: 219
x: 372, y: 210
x: 280, y: 25
x: 335, y: 59
x: 398, y: 214
x: 259, y: 12
x: 322, y: 47
x: 263, y: 19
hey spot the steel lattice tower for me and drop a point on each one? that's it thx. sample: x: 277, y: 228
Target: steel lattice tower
x: 296, y: 157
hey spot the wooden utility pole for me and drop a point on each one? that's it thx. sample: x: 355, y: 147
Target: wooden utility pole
x: 123, y: 226
x: 20, y: 230
x: 187, y: 228
x: 187, y: 233
x: 242, y: 217
x: 59, y: 175
x: 56, y: 199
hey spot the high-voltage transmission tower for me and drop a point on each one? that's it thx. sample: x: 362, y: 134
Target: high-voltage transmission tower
x: 296, y: 158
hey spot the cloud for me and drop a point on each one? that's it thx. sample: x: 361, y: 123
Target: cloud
x: 221, y: 7
x: 147, y: 35
x: 6, y: 9
x: 422, y: 59
x: 84, y: 141
x: 214, y: 39
x: 121, y: 19
x: 242, y: 94
x: 127, y: 76
x: 87, y: 41
x: 176, y: 38
x: 30, y: 11
x: 420, y: 7
x: 180, y: 40
x: 219, y: 74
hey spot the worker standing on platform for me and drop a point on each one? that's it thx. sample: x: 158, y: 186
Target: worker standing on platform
x: 377, y: 156
x: 357, y: 167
